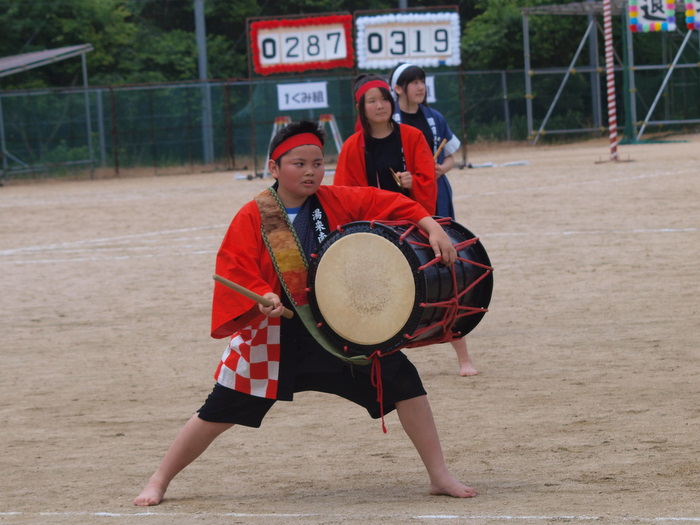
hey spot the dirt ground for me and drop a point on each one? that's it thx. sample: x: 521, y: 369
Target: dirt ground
x: 587, y: 406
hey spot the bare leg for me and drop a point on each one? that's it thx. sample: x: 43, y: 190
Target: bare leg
x: 466, y: 367
x: 417, y: 420
x: 191, y: 441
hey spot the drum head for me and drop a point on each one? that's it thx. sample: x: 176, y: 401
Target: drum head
x: 364, y: 288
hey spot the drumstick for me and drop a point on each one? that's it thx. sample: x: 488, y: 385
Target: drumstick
x: 442, y: 145
x: 396, y: 178
x: 250, y: 294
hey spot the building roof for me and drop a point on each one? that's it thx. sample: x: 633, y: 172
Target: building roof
x: 17, y: 63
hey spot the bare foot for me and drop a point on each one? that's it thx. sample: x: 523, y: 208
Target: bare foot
x: 467, y: 369
x: 152, y: 494
x: 451, y: 487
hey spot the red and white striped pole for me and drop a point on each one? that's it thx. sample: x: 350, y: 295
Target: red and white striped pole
x: 610, y: 78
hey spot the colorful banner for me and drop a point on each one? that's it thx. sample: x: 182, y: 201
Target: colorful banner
x: 652, y: 15
x: 300, y: 44
x: 692, y: 14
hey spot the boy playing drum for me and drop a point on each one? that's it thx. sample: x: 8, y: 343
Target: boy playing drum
x: 269, y: 358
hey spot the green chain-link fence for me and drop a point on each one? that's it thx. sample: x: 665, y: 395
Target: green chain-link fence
x: 158, y: 128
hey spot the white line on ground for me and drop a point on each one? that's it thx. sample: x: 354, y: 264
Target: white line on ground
x: 593, y: 232
x: 565, y: 184
x: 107, y: 240
x: 86, y: 250
x: 506, y: 517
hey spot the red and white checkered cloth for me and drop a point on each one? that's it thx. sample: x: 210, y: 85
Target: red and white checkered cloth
x: 251, y: 361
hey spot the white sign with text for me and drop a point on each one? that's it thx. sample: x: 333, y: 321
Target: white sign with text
x: 306, y: 95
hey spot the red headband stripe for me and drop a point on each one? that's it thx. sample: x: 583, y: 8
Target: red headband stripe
x: 364, y: 88
x: 302, y: 139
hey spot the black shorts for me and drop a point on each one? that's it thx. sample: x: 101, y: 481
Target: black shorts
x: 225, y: 405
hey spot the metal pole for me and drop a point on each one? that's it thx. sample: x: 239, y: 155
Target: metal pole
x: 663, y: 84
x: 3, y: 151
x: 251, y: 94
x: 628, y: 83
x: 528, y: 75
x: 101, y: 128
x: 632, y: 78
x: 506, y: 109
x: 115, y: 135
x: 463, y: 115
x: 201, y: 34
x: 88, y: 118
x: 594, y: 75
x: 563, y: 83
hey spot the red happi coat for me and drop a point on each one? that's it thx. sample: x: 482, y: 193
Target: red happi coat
x: 251, y: 361
x: 352, y: 168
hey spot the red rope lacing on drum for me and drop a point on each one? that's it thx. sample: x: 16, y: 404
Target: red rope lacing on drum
x: 453, y: 310
x: 451, y: 305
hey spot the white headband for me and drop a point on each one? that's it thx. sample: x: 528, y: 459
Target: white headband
x: 397, y: 74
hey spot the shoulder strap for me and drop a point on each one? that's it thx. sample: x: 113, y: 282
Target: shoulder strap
x: 283, y: 245
x: 292, y: 267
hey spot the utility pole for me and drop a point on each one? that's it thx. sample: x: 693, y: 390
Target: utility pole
x: 201, y: 36
x: 594, y: 75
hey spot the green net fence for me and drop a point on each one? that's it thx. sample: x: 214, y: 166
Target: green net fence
x: 158, y: 128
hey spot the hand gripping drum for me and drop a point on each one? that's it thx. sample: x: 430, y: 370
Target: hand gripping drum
x: 377, y: 286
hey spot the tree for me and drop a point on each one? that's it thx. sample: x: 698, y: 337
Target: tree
x: 139, y: 41
x: 46, y: 24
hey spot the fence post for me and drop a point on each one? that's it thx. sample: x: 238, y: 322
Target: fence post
x: 115, y: 139
x: 506, y: 108
x: 228, y: 128
x: 101, y: 128
x: 528, y: 76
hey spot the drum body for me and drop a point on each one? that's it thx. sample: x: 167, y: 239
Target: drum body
x: 377, y: 287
